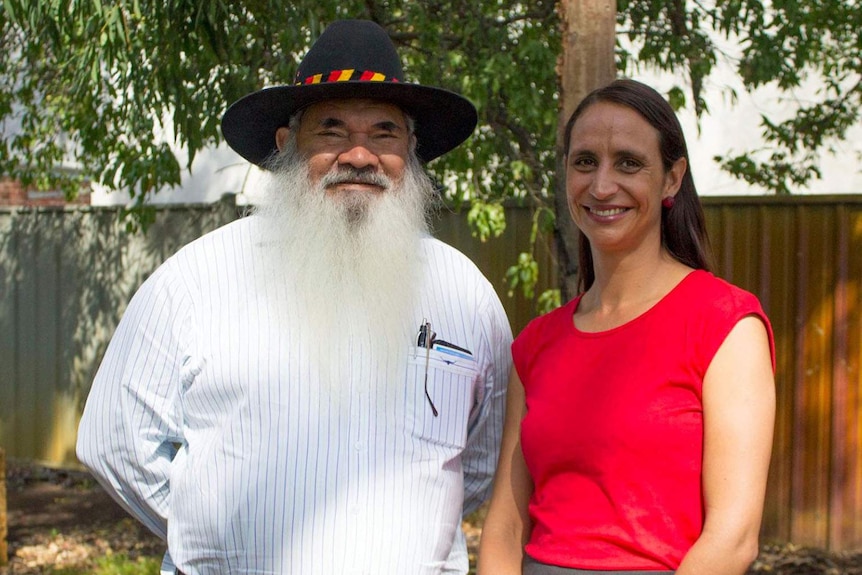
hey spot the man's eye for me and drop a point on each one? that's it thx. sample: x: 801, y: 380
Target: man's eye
x: 331, y: 132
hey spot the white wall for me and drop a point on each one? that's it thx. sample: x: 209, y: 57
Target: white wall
x: 215, y: 172
x: 730, y: 128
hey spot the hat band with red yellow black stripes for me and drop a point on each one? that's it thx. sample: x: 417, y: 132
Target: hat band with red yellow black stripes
x: 346, y: 76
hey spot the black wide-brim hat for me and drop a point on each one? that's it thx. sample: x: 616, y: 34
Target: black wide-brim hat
x: 350, y: 59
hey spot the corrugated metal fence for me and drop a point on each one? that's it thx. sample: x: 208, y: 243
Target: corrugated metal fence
x: 66, y: 275
x: 65, y: 278
x: 802, y: 256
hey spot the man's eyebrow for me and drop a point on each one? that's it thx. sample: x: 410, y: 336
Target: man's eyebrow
x: 386, y: 125
x: 331, y: 123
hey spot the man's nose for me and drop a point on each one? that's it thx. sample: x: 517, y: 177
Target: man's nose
x: 358, y: 153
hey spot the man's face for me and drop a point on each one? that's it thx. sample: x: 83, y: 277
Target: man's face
x: 368, y: 136
x: 342, y: 223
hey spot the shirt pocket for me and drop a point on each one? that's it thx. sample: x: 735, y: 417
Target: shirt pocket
x: 451, y: 385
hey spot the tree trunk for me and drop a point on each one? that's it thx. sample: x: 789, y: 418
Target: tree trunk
x: 4, y: 554
x: 586, y: 62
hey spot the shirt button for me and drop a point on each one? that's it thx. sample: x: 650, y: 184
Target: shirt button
x: 358, y: 446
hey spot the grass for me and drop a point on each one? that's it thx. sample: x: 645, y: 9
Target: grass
x: 119, y: 564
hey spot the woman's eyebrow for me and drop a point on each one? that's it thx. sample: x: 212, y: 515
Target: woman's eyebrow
x: 626, y: 153
x: 581, y: 152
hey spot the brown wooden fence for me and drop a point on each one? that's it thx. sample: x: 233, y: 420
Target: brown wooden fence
x: 65, y: 276
x: 803, y: 256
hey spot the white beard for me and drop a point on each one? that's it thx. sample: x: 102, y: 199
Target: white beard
x: 351, y: 269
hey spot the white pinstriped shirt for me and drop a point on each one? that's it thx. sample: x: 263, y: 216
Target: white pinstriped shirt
x: 201, y: 424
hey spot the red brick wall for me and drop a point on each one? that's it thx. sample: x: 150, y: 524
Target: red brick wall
x: 12, y: 193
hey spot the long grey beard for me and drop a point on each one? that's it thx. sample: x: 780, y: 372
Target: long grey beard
x: 350, y: 270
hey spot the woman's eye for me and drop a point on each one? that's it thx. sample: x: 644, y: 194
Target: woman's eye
x: 630, y: 165
x: 583, y: 162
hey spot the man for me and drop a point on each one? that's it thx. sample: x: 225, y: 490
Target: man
x: 316, y: 388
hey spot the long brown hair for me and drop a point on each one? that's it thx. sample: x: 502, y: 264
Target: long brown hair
x: 683, y: 228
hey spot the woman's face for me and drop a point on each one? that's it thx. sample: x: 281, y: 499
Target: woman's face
x: 615, y: 179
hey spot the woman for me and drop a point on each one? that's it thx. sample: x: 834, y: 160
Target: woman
x: 640, y: 415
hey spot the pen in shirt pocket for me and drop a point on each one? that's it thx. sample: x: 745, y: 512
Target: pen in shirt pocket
x: 424, y: 330
x: 425, y: 339
x: 439, y: 344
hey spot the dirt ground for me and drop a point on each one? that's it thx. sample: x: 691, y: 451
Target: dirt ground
x: 61, y: 518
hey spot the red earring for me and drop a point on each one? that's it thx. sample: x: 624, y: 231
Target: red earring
x: 668, y: 202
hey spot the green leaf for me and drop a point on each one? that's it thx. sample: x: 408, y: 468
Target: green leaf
x: 549, y: 300
x: 487, y: 220
x: 676, y: 98
x: 524, y: 275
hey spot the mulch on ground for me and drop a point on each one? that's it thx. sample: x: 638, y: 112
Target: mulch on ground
x: 63, y: 518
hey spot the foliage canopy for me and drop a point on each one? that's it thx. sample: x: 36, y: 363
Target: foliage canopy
x: 108, y: 86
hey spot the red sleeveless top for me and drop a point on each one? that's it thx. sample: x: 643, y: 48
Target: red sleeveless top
x: 613, y: 434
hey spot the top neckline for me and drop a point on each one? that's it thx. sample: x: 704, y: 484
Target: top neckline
x: 649, y: 311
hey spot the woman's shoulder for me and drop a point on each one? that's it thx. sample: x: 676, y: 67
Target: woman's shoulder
x: 539, y: 333
x: 716, y: 291
x: 550, y: 322
x: 562, y: 314
x: 716, y: 305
